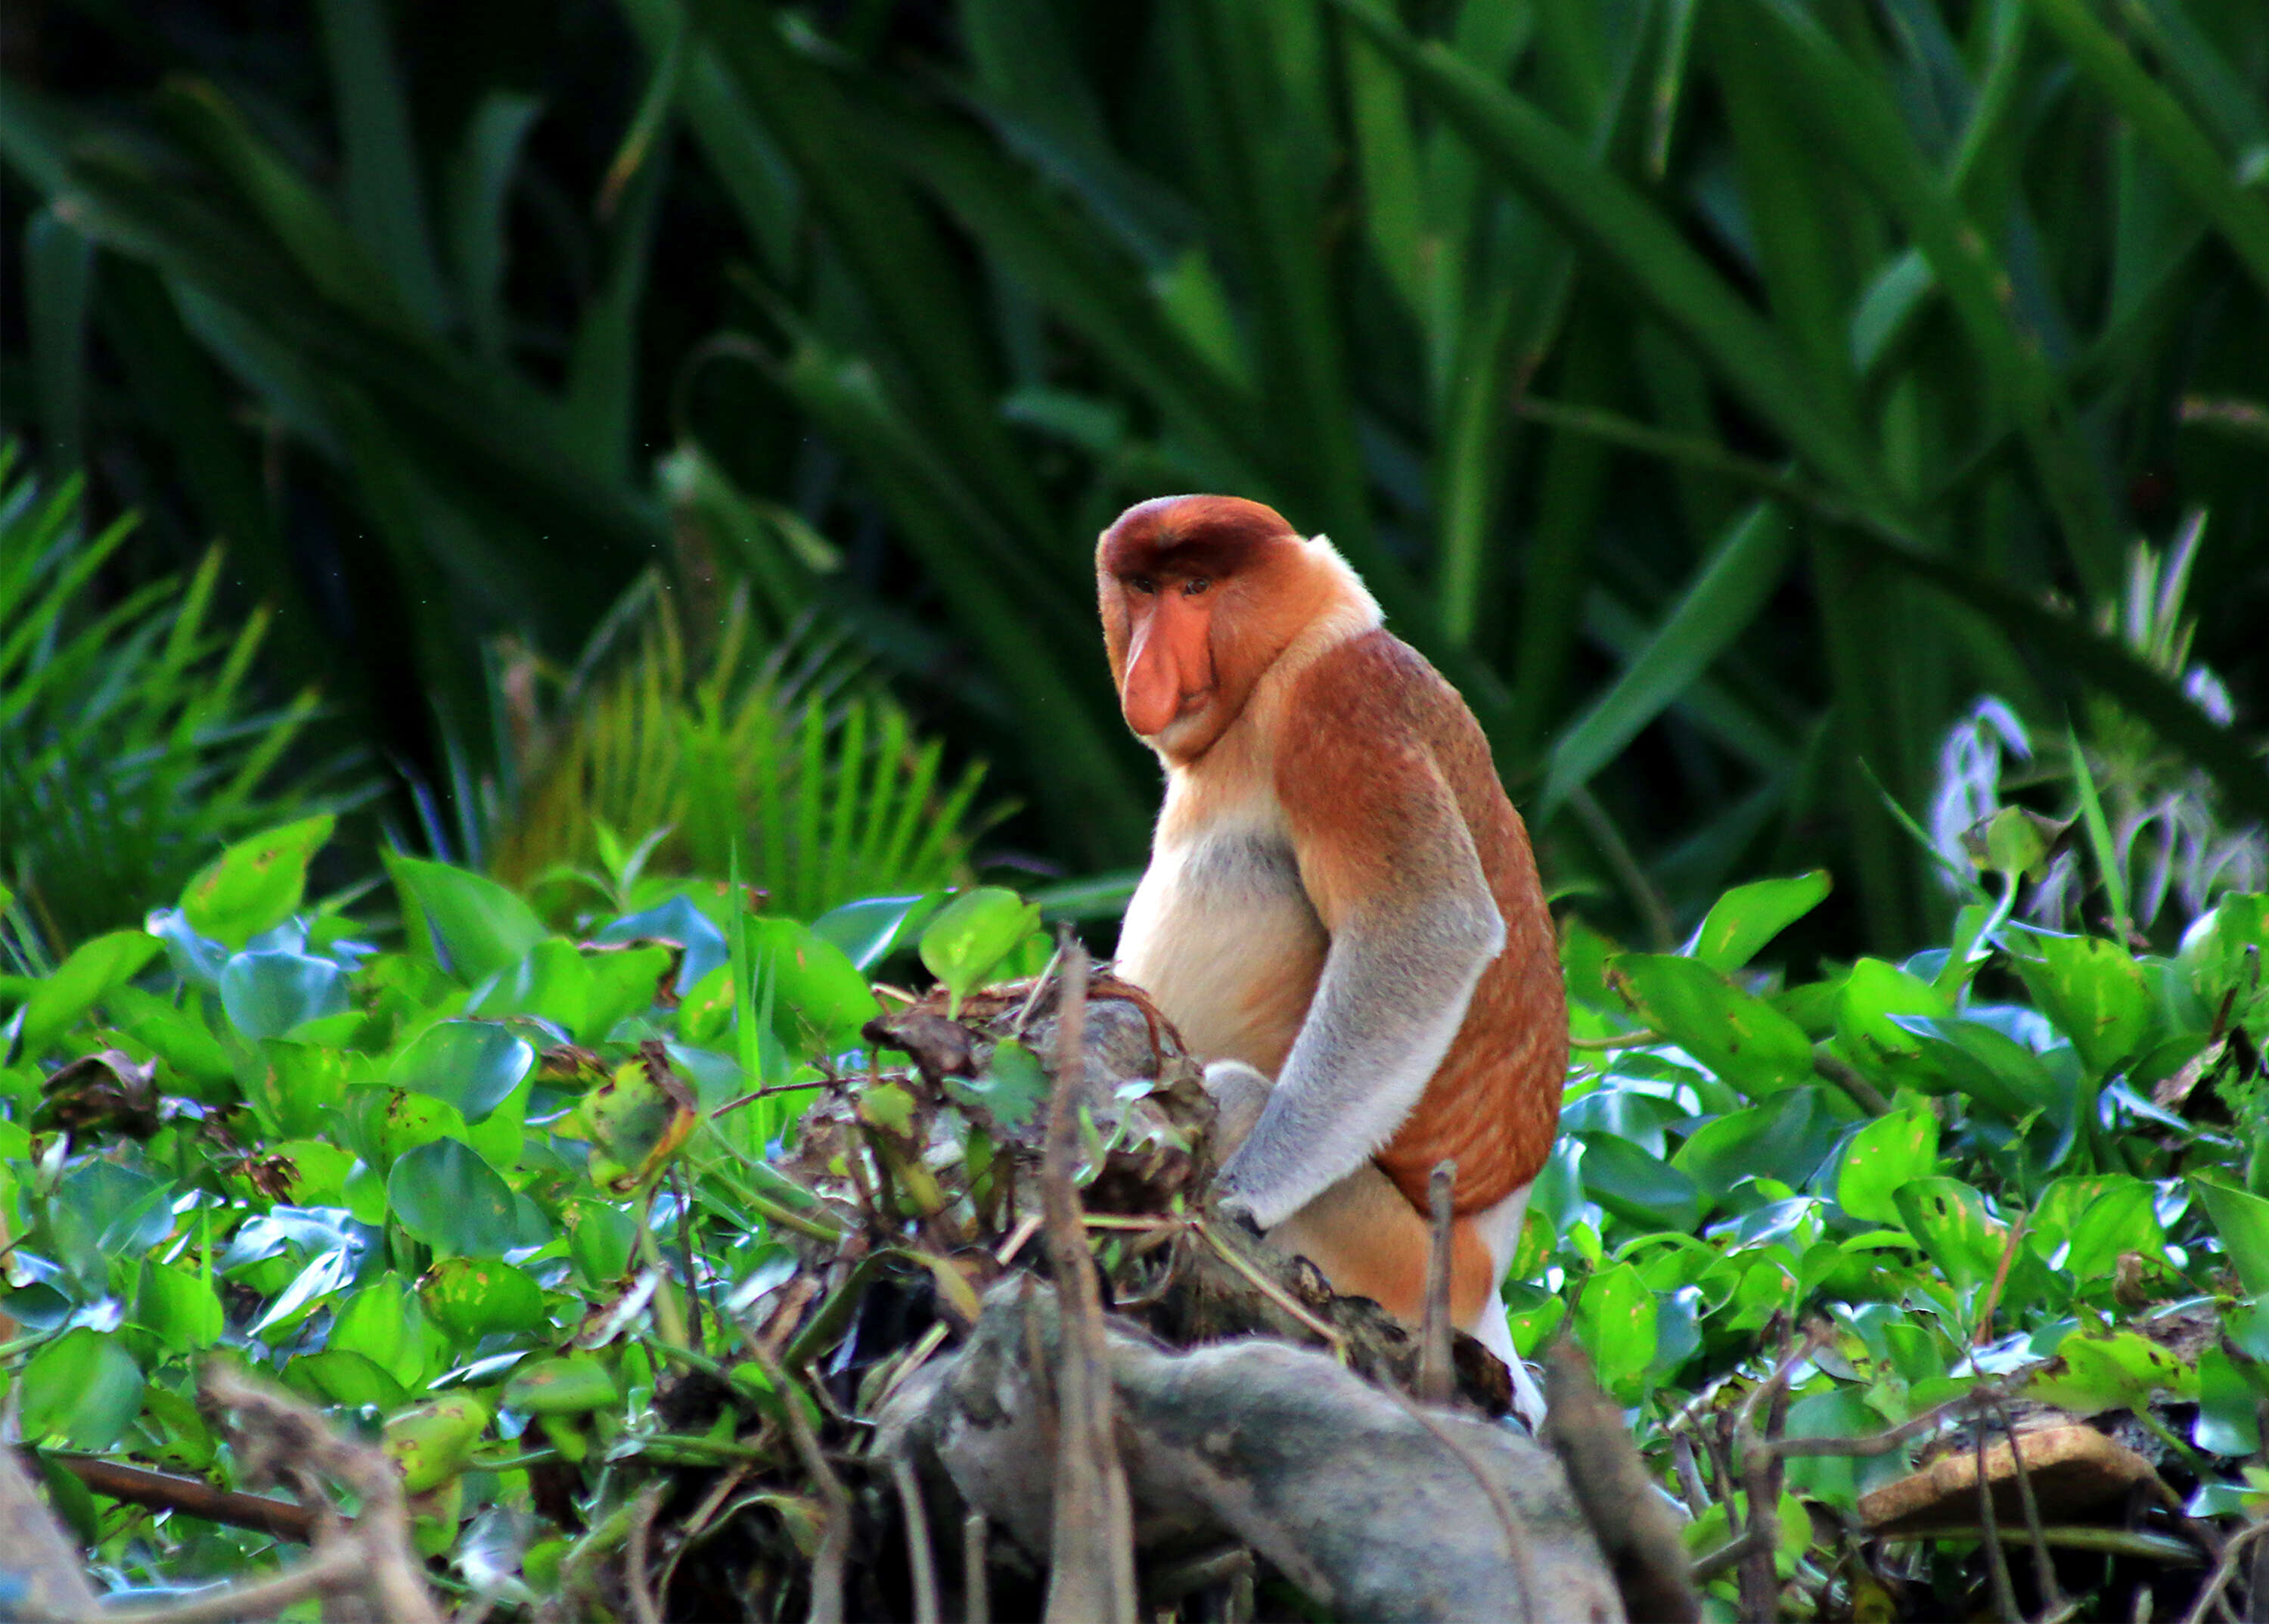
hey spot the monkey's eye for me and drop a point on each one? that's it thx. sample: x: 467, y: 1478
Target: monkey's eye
x: 1195, y: 585
x: 1143, y: 584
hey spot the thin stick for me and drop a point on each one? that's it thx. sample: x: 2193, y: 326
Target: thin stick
x: 1864, y: 1094
x: 1091, y: 1547
x: 338, y: 1568
x: 919, y: 1557
x: 1689, y: 1475
x: 1983, y: 1333
x: 2224, y: 1570
x: 1270, y: 1289
x: 1436, y: 1377
x: 1731, y: 1554
x: 637, y: 1552
x: 1618, y: 1040
x: 977, y: 1600
x: 161, y: 1491
x: 1997, y: 1560
x: 2044, y: 1577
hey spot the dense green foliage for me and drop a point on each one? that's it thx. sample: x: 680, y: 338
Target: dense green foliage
x: 1723, y: 395
x: 453, y: 1189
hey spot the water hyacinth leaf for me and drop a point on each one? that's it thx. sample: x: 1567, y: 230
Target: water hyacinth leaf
x: 1993, y: 1069
x: 635, y: 1121
x: 1615, y: 1322
x: 380, y: 1322
x: 197, y: 960
x: 2121, y: 1218
x: 869, y: 930
x: 384, y: 1124
x: 573, y: 1385
x: 179, y: 1308
x: 1840, y: 1412
x: 1738, y: 1036
x: 326, y: 1273
x: 600, y: 1235
x: 266, y: 994
x: 2095, y: 992
x: 1880, y: 1046
x: 448, y: 1197
x: 1786, y: 1139
x: 677, y: 920
x: 2223, y: 951
x: 583, y: 993
x: 83, y: 1390
x: 2228, y: 1418
x: 818, y: 995
x: 971, y: 934
x: 472, y: 1065
x: 256, y: 885
x: 1747, y: 917
x: 474, y: 1297
x: 431, y: 1441
x: 1950, y: 1219
x: 79, y: 983
x: 2094, y: 1372
x: 1012, y: 1091
x: 2241, y: 1220
x: 478, y: 927
x: 338, y: 1376
x: 1640, y: 1188
x: 1882, y: 1159
x: 297, y: 1085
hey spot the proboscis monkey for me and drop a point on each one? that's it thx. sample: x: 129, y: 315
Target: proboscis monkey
x: 1342, y: 912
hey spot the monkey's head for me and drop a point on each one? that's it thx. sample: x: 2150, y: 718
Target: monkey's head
x: 1199, y: 596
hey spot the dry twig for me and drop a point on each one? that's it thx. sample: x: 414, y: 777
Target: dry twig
x: 1436, y: 1376
x: 919, y: 1557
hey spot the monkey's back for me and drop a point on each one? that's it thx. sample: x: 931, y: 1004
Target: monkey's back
x: 1493, y: 1106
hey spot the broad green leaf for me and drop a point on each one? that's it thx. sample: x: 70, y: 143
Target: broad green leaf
x: 971, y: 934
x: 384, y: 1124
x: 1746, y: 918
x: 2096, y: 993
x: 817, y: 991
x: 1639, y: 1188
x: 380, y: 1322
x: 2241, y: 1220
x: 448, y: 1197
x: 1950, y: 1219
x: 81, y: 1389
x: 179, y: 1308
x: 2223, y: 949
x: 2094, y: 1372
x: 268, y: 993
x: 295, y: 1086
x: 1615, y: 1322
x: 1838, y: 1413
x: 1882, y: 1159
x: 566, y: 1386
x: 1879, y: 1045
x: 336, y: 1376
x: 79, y: 983
x: 635, y: 1121
x: 2228, y: 1418
x: 1786, y: 1139
x: 678, y: 921
x: 478, y: 927
x: 472, y: 1297
x: 600, y: 1235
x: 1736, y: 1034
x: 326, y: 1273
x: 431, y: 1441
x: 2097, y: 1220
x: 1995, y: 1071
x: 869, y: 930
x: 473, y: 1065
x: 256, y: 884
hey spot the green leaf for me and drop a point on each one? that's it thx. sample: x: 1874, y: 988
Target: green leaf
x: 1882, y: 1159
x: 179, y: 1308
x: 1639, y: 1188
x: 635, y: 1121
x: 473, y: 1065
x: 336, y: 1376
x: 1011, y: 1092
x: 256, y: 884
x: 81, y: 1389
x: 571, y: 1385
x: 818, y: 991
x: 600, y: 1235
x: 1615, y: 1322
x: 868, y: 931
x: 1880, y: 1046
x: 2228, y: 1418
x: 79, y: 983
x: 2241, y: 1219
x: 266, y: 994
x: 1995, y: 1070
x: 2096, y: 993
x: 296, y: 1085
x: 973, y: 933
x: 2094, y: 1372
x: 429, y: 1444
x: 478, y: 927
x: 1950, y: 1219
x: 473, y: 1297
x: 1738, y: 1036
x: 448, y: 1197
x: 1786, y: 1139
x: 2094, y: 1220
x: 1748, y: 916
x: 380, y: 1322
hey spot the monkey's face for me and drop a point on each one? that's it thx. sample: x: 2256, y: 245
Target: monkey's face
x: 1188, y: 590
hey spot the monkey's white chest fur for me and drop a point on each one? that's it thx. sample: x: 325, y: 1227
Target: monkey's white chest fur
x: 1221, y: 934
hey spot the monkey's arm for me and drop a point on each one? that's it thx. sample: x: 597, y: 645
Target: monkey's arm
x: 1390, y: 866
